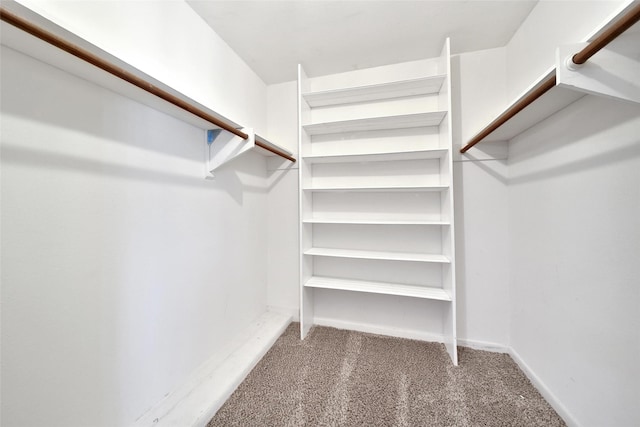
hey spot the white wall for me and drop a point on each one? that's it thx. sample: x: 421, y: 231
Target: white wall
x: 574, y: 204
x: 481, y: 202
x: 167, y: 40
x: 283, y: 292
x: 574, y: 201
x: 123, y: 270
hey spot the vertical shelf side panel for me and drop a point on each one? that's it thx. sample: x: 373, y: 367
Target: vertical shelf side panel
x: 446, y: 203
x: 305, y: 204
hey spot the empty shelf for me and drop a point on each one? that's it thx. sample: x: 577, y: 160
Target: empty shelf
x: 435, y: 153
x: 420, y: 86
x: 318, y: 220
x: 381, y: 255
x: 378, y: 288
x: 268, y: 148
x: 377, y: 123
x: 394, y: 188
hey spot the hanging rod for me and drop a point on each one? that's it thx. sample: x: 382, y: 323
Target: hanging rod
x: 544, y: 86
x: 122, y: 74
x: 619, y: 27
x: 614, y: 30
x: 275, y: 151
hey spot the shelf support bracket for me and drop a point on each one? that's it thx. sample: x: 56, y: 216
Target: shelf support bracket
x: 222, y: 147
x: 613, y: 72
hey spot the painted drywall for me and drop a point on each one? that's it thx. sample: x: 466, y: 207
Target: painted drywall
x: 282, y: 273
x: 574, y: 201
x: 481, y: 199
x: 551, y: 23
x: 482, y: 253
x: 123, y: 270
x: 574, y: 204
x: 168, y: 41
x: 282, y: 219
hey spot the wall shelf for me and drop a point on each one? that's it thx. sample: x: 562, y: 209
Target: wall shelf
x: 379, y: 255
x: 389, y: 90
x: 404, y: 121
x: 378, y: 288
x: 435, y: 153
x: 269, y: 149
x: 317, y: 220
x: 545, y: 106
x: 378, y: 189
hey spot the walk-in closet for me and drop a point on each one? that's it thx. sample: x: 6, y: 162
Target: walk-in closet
x: 319, y: 213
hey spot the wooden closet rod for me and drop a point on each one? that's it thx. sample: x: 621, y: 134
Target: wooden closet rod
x: 617, y: 28
x: 110, y: 68
x: 275, y: 151
x: 523, y: 103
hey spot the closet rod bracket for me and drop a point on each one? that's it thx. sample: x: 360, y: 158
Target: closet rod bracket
x: 572, y: 66
x: 613, y: 72
x: 221, y: 147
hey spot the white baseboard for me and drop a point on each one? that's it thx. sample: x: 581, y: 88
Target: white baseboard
x: 293, y: 312
x: 535, y: 380
x: 544, y: 390
x: 483, y: 345
x: 408, y: 333
x: 196, y: 402
x: 378, y: 329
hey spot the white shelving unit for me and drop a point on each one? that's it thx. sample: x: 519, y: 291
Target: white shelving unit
x: 376, y: 187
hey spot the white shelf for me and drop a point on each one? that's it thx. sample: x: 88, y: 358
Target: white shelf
x: 547, y: 105
x: 404, y: 121
x: 435, y: 153
x: 393, y: 188
x: 378, y: 288
x: 381, y: 255
x: 270, y: 144
x: 399, y: 89
x: 373, y: 221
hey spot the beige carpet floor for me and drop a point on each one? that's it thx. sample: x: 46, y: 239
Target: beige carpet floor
x: 345, y: 378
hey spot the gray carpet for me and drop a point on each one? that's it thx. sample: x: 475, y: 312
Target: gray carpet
x: 346, y: 378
